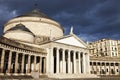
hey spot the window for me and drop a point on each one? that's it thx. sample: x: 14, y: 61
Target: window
x: 90, y: 63
x: 112, y: 53
x: 117, y: 70
x: 105, y: 49
x: 107, y: 69
x: 106, y: 54
x: 112, y: 48
x: 116, y: 54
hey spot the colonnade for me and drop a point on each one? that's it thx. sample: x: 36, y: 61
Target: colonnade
x: 105, y: 68
x: 70, y: 62
x: 13, y: 62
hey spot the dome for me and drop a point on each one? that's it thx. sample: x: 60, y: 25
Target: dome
x: 35, y: 13
x: 20, y: 33
x: 36, y: 23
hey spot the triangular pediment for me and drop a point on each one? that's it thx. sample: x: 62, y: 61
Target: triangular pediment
x: 72, y: 40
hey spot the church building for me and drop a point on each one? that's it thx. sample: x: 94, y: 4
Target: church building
x: 33, y: 42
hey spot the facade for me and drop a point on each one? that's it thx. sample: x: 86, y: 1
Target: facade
x: 33, y: 42
x: 104, y: 57
x: 105, y: 66
x: 104, y: 48
x: 119, y: 48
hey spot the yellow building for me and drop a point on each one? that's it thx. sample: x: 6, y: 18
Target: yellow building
x: 119, y: 48
x: 104, y: 48
x: 104, y: 59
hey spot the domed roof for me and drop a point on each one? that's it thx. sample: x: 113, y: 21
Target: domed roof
x: 20, y: 27
x: 35, y: 13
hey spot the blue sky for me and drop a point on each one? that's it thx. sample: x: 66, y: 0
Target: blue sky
x: 91, y: 19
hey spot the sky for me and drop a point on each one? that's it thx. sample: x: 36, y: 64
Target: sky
x: 91, y: 19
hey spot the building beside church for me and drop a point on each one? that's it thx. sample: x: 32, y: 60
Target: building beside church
x: 104, y: 59
x: 119, y: 48
x: 33, y: 42
x: 104, y: 48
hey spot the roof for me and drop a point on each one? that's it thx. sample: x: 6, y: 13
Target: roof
x: 71, y: 39
x: 35, y: 13
x: 64, y: 38
x: 16, y: 44
x: 20, y: 27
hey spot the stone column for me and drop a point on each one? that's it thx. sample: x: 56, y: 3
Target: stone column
x: 40, y: 65
x: 2, y: 60
x: 114, y: 68
x: 105, y: 68
x: 23, y: 62
x: 84, y: 63
x: 74, y: 60
x: 16, y: 63
x: 69, y: 64
x: 44, y: 61
x: 92, y: 67
x: 34, y: 62
x: 96, y: 68
x: 119, y: 68
x: 100, y: 68
x: 57, y: 54
x: 63, y: 58
x: 29, y: 63
x: 88, y: 64
x: 109, y: 68
x: 9, y: 63
x: 52, y: 61
x: 79, y: 64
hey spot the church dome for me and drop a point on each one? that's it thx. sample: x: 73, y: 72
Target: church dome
x: 38, y: 23
x: 20, y: 32
x: 35, y: 13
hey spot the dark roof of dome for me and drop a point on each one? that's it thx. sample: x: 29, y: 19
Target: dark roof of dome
x: 20, y: 27
x: 35, y: 13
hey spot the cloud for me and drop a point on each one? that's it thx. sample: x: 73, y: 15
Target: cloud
x: 92, y: 18
x: 6, y: 15
x: 87, y: 37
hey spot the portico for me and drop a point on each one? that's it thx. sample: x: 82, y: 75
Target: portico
x: 69, y: 62
x: 67, y: 59
x: 19, y: 61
